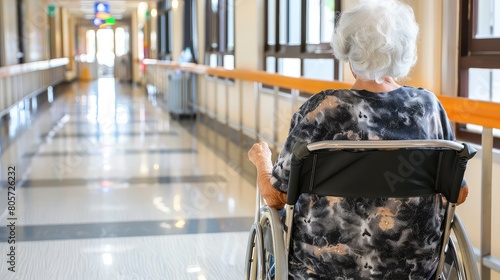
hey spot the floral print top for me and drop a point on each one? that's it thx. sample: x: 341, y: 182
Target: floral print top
x: 364, y: 238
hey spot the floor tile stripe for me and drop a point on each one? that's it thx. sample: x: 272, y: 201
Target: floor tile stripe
x: 109, y: 182
x: 126, y: 229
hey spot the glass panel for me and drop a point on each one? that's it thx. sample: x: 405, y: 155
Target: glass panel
x: 283, y: 22
x: 271, y: 64
x: 327, y: 20
x: 488, y: 19
x: 313, y: 21
x: 215, y: 6
x: 213, y: 60
x: 294, y: 22
x: 90, y: 45
x: 271, y: 22
x: 229, y: 62
x: 484, y: 84
x: 120, y: 41
x: 163, y: 33
x: 230, y: 25
x: 289, y: 67
x: 169, y: 31
x: 321, y: 69
x: 105, y: 47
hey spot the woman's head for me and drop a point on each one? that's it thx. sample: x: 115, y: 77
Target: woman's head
x: 378, y: 38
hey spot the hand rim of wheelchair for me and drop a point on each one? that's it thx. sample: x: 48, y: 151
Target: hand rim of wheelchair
x: 253, y: 269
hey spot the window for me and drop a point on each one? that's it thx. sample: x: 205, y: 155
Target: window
x: 298, y: 36
x: 219, y: 30
x: 91, y: 45
x: 20, y: 31
x: 122, y: 40
x: 479, y: 59
x: 164, y: 26
x: 190, y: 39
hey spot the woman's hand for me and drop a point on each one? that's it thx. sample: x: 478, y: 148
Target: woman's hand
x: 464, y: 192
x: 462, y: 196
x: 260, y: 155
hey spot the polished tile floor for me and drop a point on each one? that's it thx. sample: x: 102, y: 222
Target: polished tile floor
x: 110, y: 187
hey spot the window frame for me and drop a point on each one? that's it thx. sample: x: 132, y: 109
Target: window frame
x: 304, y: 50
x: 473, y: 53
x: 164, y: 9
x: 216, y: 30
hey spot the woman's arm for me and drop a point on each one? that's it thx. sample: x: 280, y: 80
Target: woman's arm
x: 260, y: 156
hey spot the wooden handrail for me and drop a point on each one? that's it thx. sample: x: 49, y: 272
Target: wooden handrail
x: 11, y: 70
x: 303, y: 84
x: 460, y: 110
x: 463, y: 110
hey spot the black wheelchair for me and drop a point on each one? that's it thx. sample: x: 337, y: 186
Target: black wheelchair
x: 332, y: 168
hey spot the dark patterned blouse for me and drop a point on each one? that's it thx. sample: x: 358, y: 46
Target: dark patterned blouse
x: 364, y: 238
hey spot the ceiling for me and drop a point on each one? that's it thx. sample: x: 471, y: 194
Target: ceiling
x: 85, y: 8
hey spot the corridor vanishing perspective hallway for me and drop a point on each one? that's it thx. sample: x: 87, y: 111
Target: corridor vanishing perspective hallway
x: 110, y: 187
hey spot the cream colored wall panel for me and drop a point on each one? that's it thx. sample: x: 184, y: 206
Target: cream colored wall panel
x: 210, y: 96
x: 8, y: 20
x: 65, y: 36
x: 201, y: 94
x: 221, y: 100
x: 267, y: 115
x: 177, y: 31
x: 2, y: 95
x: 201, y: 30
x: 284, y: 117
x: 134, y: 32
x: 248, y: 101
x: 234, y: 104
x: 36, y: 23
x: 427, y: 71
x: 247, y: 41
x: 450, y: 48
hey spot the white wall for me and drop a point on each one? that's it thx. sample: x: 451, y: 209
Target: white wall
x: 178, y: 14
x: 248, y: 36
x: 8, y: 26
x: 36, y: 25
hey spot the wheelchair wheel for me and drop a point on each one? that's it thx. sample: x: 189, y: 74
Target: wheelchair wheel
x: 274, y: 262
x: 460, y: 262
x: 255, y: 254
x: 453, y: 269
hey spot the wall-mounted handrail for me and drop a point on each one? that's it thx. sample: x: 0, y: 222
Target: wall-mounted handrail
x: 17, y: 69
x: 21, y: 81
x: 459, y: 109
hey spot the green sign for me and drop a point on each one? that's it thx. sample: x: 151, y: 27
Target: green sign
x: 51, y: 10
x: 110, y: 21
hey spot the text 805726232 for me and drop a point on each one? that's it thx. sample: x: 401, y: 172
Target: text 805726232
x: 11, y: 218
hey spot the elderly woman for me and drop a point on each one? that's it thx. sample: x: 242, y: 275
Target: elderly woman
x: 378, y: 39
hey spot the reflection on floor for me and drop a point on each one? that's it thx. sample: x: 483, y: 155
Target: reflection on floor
x: 109, y: 187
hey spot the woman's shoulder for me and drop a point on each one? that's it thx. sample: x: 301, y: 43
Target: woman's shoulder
x: 312, y: 102
x: 418, y: 91
x: 317, y: 98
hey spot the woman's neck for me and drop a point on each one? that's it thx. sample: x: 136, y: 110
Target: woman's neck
x: 388, y: 84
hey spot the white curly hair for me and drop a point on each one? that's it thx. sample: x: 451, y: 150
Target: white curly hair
x: 378, y: 38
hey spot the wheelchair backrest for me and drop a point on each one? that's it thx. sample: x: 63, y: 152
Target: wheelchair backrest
x: 375, y: 169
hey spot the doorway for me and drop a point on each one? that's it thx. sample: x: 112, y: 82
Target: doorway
x: 105, y: 53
